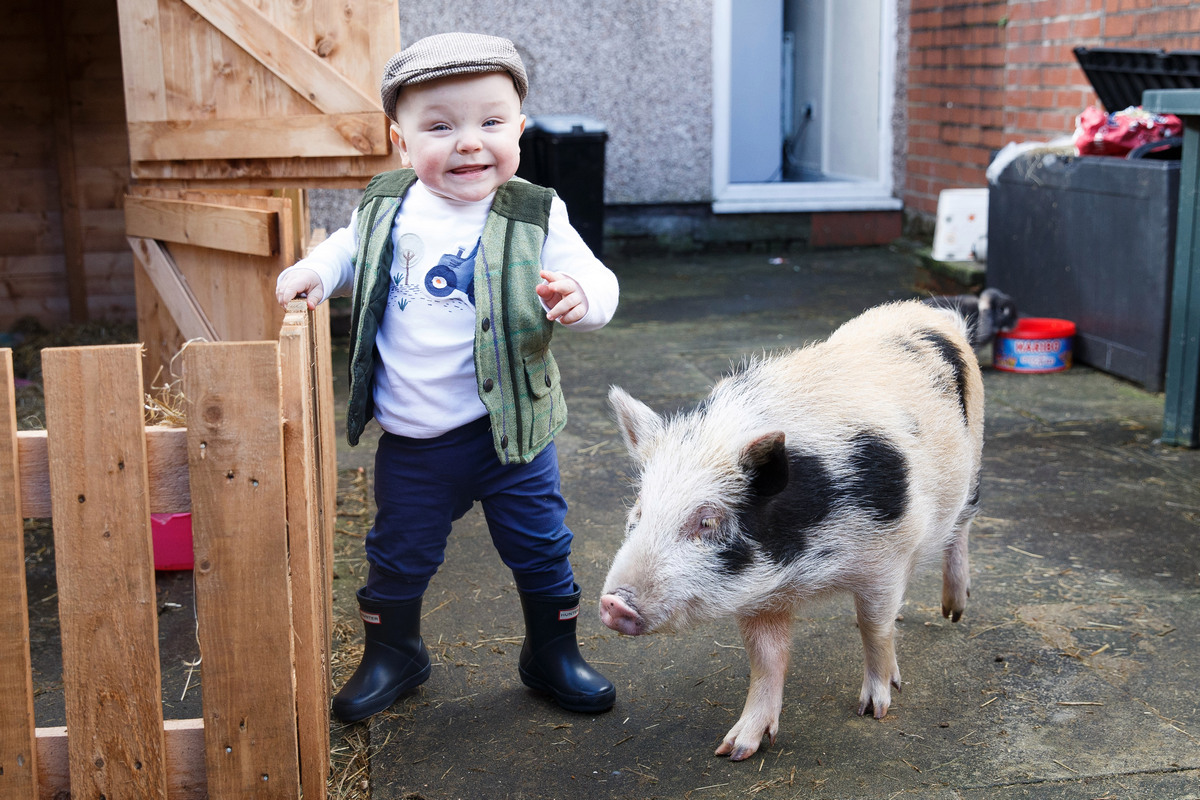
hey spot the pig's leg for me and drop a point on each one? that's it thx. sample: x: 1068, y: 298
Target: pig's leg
x: 768, y: 640
x: 877, y: 607
x: 956, y: 574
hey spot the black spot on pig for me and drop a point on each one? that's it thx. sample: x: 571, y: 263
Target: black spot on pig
x: 779, y: 522
x: 954, y: 359
x: 878, y: 481
x: 735, y: 556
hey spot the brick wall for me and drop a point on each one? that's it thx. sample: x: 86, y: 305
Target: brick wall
x: 982, y: 74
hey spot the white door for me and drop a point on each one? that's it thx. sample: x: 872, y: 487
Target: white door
x: 803, y: 97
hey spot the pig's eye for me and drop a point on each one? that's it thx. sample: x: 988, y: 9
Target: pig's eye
x: 704, y: 523
x: 633, y: 518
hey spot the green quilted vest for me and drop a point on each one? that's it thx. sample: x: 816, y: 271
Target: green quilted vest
x: 517, y: 377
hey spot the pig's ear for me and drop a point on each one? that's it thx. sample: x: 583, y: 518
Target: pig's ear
x: 639, y: 425
x: 765, y: 462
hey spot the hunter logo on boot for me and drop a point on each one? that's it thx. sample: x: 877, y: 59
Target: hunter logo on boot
x: 568, y: 613
x: 368, y: 616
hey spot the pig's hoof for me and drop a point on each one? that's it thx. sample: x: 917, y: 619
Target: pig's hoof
x: 954, y: 601
x: 741, y: 742
x: 877, y: 697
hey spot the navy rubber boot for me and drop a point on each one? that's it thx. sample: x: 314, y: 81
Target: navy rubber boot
x: 394, y: 660
x: 550, y: 659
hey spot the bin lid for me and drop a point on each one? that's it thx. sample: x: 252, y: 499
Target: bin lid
x: 566, y: 123
x: 1120, y: 75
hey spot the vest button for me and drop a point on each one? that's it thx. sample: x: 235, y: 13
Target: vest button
x: 487, y: 325
x: 548, y: 383
x: 487, y: 384
x: 504, y: 442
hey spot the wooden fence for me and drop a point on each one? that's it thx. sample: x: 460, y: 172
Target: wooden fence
x: 256, y: 468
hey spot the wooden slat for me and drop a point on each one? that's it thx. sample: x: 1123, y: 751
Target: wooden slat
x: 99, y: 490
x: 306, y: 136
x: 173, y: 290
x: 310, y: 622
x: 239, y: 528
x: 290, y: 60
x: 184, y: 743
x: 221, y: 227
x: 326, y: 435
x: 324, y: 173
x: 18, y: 754
x: 383, y: 28
x: 142, y: 60
x: 166, y: 454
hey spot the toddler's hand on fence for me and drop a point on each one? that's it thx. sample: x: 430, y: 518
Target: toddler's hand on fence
x: 296, y: 282
x: 563, y: 296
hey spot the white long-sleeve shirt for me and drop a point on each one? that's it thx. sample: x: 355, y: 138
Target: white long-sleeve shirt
x: 425, y: 374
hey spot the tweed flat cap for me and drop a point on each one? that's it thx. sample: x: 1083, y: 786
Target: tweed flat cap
x: 448, y: 54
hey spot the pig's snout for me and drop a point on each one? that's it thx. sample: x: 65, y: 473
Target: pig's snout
x: 619, y: 615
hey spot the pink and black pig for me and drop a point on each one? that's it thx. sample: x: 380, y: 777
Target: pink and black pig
x: 838, y: 467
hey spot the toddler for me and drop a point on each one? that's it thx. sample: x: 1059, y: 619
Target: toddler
x: 459, y: 274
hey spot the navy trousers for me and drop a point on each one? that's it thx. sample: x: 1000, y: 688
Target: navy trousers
x: 423, y: 485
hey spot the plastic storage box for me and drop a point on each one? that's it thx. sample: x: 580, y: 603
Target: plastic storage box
x: 566, y: 153
x: 1091, y: 240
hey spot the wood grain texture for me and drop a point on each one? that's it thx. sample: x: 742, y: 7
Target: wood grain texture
x: 287, y: 58
x: 216, y: 225
x: 18, y: 753
x: 166, y: 457
x: 310, y: 136
x: 239, y: 528
x: 104, y: 562
x: 173, y: 290
x: 184, y: 743
x: 311, y: 592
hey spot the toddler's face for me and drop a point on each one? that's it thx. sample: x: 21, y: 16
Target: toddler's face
x: 461, y: 134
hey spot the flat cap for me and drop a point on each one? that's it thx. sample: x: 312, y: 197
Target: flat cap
x: 448, y: 54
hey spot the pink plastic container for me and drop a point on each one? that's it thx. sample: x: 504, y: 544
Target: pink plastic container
x: 172, y: 534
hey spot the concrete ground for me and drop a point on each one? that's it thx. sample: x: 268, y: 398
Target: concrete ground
x: 1073, y: 673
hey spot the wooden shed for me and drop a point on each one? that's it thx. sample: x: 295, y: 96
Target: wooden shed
x: 156, y: 152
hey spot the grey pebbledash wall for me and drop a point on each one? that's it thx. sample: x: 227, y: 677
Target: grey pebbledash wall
x: 641, y: 67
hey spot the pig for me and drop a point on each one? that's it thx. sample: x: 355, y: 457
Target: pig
x: 838, y: 467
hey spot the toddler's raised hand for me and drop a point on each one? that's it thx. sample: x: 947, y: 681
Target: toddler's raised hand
x: 563, y: 296
x: 296, y: 282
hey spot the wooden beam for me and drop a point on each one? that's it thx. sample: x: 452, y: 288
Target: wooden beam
x: 18, y: 755
x: 173, y: 290
x: 290, y: 60
x: 64, y: 151
x: 104, y: 567
x: 183, y: 740
x: 251, y: 231
x: 166, y: 454
x: 306, y: 136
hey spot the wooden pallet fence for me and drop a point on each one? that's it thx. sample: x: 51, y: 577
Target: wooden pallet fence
x: 256, y: 468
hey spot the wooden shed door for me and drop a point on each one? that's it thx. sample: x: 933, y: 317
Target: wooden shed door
x: 248, y: 93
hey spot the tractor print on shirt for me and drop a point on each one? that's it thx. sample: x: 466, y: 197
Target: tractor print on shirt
x: 453, y: 273
x: 451, y: 281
